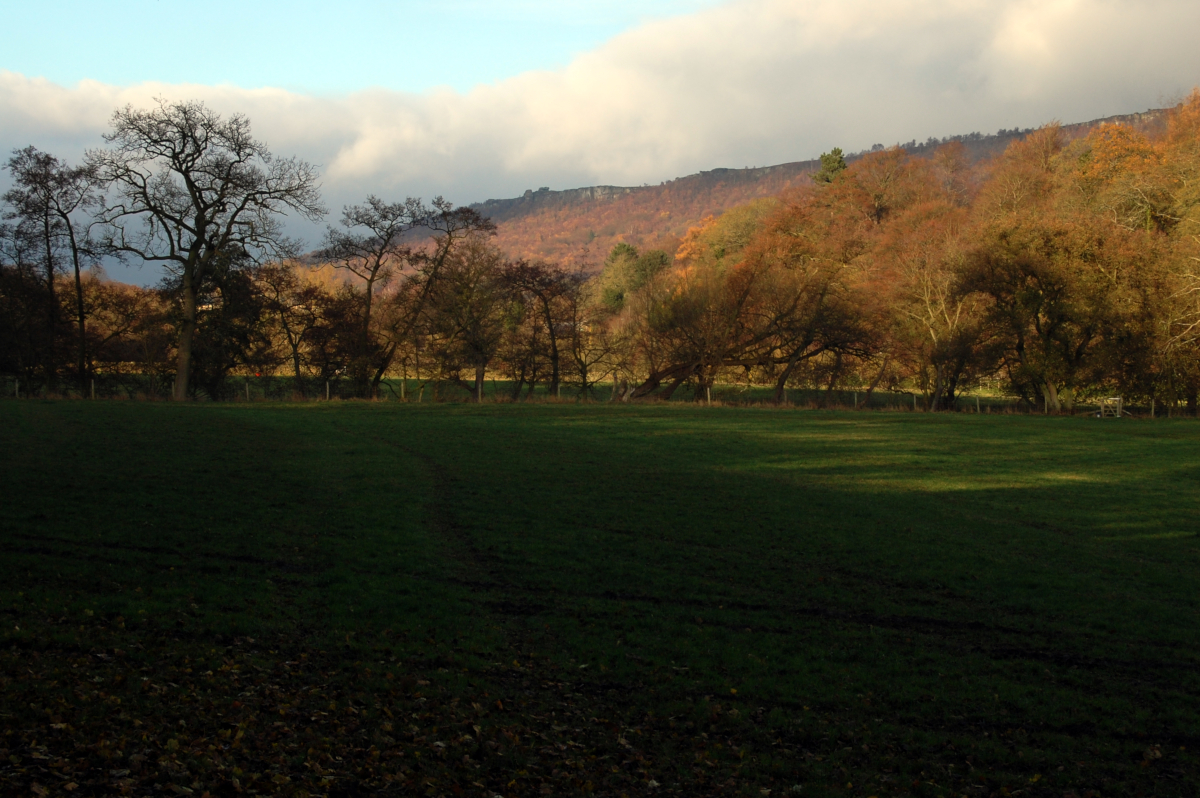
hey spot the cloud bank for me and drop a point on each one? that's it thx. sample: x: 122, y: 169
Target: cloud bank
x: 752, y: 82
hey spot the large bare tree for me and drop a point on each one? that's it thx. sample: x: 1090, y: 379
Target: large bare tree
x: 189, y: 189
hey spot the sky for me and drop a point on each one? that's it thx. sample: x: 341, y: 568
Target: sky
x: 312, y: 47
x: 475, y: 99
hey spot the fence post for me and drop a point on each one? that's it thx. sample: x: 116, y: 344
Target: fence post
x: 914, y: 403
x: 247, y: 389
x: 326, y: 390
x: 1151, y: 407
x: 976, y: 405
x: 856, y: 400
x: 708, y: 395
x: 93, y: 388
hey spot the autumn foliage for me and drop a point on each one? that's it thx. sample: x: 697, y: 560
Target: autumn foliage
x: 1063, y: 268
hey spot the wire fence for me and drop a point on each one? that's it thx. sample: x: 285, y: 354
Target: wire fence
x: 153, y: 387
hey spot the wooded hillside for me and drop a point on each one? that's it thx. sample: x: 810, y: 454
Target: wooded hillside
x: 580, y: 226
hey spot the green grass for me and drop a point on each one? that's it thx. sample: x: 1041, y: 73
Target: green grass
x: 753, y: 598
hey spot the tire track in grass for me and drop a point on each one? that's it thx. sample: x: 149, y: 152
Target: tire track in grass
x: 481, y: 573
x: 442, y: 520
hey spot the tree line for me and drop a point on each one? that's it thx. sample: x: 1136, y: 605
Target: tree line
x: 1061, y: 270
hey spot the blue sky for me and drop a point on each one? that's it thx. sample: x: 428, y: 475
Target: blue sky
x: 312, y: 47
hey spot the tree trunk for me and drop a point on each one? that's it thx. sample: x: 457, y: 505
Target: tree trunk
x: 554, y: 356
x: 296, y: 365
x: 875, y: 382
x: 655, y: 379
x: 82, y: 364
x: 187, y: 331
x: 667, y: 394
x: 518, y: 384
x: 939, y: 385
x: 649, y: 386
x: 833, y: 377
x: 363, y: 377
x: 704, y: 383
x: 1051, y: 395
x: 583, y: 377
x: 480, y: 371
x: 781, y: 383
x: 384, y: 364
x: 950, y: 391
x: 52, y: 308
x: 367, y: 299
x: 294, y: 345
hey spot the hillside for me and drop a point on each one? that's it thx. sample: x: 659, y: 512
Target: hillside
x: 579, y: 226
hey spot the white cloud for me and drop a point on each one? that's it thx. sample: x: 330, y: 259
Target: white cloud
x: 750, y: 82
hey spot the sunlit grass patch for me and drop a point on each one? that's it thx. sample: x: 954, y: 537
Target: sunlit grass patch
x: 1152, y: 536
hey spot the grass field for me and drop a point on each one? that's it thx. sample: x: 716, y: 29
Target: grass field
x: 358, y: 598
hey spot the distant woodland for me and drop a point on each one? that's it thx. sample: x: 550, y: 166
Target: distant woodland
x: 1057, y: 265
x: 580, y: 226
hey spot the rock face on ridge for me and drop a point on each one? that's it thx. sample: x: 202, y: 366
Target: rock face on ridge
x: 503, y: 209
x: 577, y: 227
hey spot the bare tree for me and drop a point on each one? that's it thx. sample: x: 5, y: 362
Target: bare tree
x: 379, y: 240
x: 545, y: 284
x: 191, y: 189
x: 592, y: 346
x: 374, y: 255
x: 23, y: 301
x: 449, y: 227
x: 465, y: 312
x: 48, y: 200
x: 294, y: 305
